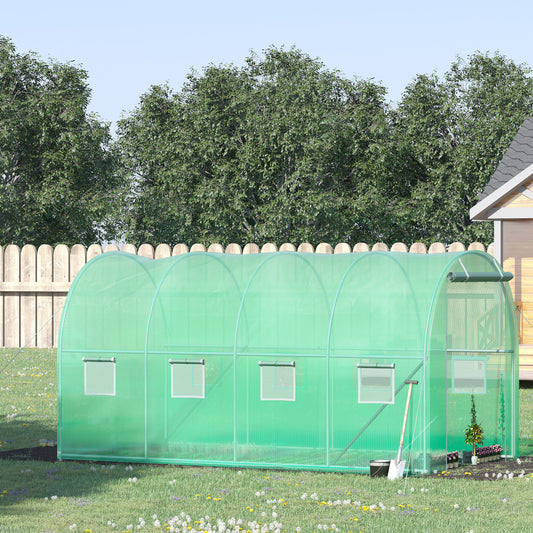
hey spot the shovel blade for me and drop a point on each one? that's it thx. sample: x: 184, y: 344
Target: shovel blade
x: 396, y: 469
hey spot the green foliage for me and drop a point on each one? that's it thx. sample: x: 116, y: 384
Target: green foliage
x: 474, y: 432
x: 281, y: 149
x: 56, y: 170
x: 455, y: 130
x: 284, y: 149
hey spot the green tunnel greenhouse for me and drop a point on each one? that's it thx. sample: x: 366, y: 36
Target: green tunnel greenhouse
x: 286, y: 360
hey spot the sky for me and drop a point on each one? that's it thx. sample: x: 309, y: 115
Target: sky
x: 127, y: 46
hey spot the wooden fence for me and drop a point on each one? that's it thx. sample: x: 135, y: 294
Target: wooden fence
x: 34, y: 282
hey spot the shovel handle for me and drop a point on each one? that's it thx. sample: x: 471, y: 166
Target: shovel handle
x: 411, y: 383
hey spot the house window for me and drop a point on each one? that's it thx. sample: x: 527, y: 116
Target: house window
x: 187, y: 378
x: 469, y: 375
x: 376, y: 383
x: 99, y: 376
x: 278, y: 380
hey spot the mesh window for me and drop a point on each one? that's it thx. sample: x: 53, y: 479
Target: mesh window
x: 278, y: 382
x: 469, y: 375
x: 376, y: 384
x: 100, y: 377
x: 187, y: 379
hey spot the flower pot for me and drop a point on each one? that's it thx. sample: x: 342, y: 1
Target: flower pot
x: 379, y: 468
x: 474, y: 459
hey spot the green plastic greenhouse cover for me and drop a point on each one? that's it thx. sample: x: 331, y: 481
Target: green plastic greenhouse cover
x: 286, y: 360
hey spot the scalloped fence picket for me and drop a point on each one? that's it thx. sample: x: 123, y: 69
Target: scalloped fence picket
x: 34, y: 282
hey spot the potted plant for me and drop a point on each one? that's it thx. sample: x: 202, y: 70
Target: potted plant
x: 489, y: 453
x: 473, y: 432
x: 452, y: 459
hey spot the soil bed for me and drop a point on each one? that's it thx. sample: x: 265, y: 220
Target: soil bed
x: 38, y: 453
x: 517, y: 467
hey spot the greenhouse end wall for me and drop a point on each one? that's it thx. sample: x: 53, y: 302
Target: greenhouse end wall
x: 289, y: 360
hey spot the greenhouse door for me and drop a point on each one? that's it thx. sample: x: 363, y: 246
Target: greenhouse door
x: 479, y: 356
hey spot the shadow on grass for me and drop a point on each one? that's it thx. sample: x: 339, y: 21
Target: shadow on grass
x: 26, y: 432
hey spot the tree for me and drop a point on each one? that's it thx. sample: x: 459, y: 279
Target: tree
x: 56, y: 167
x: 281, y: 149
x: 455, y: 130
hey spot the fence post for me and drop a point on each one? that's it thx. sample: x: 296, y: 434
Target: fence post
x: 418, y: 248
x: 399, y: 247
x: 60, y: 274
x: 437, y: 248
x: 233, y: 248
x: 324, y: 248
x: 28, y: 307
x: 306, y: 247
x: 250, y: 248
x: 12, y: 299
x: 361, y: 247
x: 342, y: 248
x: 456, y: 247
x: 162, y: 250
x: 45, y: 309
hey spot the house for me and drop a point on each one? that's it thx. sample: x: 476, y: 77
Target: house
x: 508, y: 201
x: 286, y: 360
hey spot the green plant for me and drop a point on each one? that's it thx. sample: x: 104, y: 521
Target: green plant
x: 473, y: 432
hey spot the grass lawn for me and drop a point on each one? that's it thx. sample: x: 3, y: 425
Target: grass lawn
x: 40, y: 496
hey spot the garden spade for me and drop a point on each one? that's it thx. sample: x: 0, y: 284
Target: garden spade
x: 397, y: 466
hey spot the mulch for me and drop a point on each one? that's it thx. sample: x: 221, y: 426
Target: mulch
x: 503, y: 467
x: 38, y: 453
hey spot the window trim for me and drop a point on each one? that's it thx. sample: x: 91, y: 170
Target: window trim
x: 360, y: 388
x: 194, y: 362
x: 274, y: 364
x: 99, y: 360
x: 477, y: 359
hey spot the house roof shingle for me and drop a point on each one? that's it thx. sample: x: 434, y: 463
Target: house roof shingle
x: 518, y: 157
